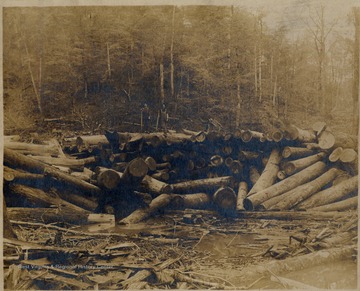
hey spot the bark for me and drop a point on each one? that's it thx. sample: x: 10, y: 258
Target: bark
x: 155, y: 186
x: 196, y: 186
x: 141, y: 214
x: 296, y: 152
x: 225, y: 198
x: 298, y: 165
x: 350, y: 203
x: 8, y: 231
x: 331, y: 194
x: 42, y: 199
x: 47, y: 215
x: 17, y: 160
x: 269, y: 175
x: 293, y: 197
x: 242, y: 193
x: 33, y: 149
x: 287, y: 184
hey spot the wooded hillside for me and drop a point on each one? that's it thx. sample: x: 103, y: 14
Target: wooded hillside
x: 97, y: 66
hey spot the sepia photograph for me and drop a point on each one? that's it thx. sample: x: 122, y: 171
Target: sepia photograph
x: 180, y: 144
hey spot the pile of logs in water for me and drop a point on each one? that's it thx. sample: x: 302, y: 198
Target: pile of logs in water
x: 136, y: 175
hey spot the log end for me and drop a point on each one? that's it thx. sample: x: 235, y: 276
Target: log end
x: 225, y: 198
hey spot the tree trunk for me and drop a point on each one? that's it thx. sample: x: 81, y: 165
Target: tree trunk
x: 295, y: 152
x: 225, y: 198
x: 287, y: 184
x: 195, y: 186
x: 269, y: 175
x: 140, y: 214
x: 350, y: 203
x: 162, y: 92
x: 331, y: 194
x: 292, y: 167
x: 42, y: 199
x: 47, y: 215
x: 242, y: 193
x: 155, y: 186
x: 32, y: 149
x: 293, y: 197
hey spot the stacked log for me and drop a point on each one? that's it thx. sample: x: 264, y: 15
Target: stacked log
x: 287, y: 168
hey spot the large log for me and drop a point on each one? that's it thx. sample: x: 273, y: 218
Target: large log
x: 11, y: 175
x: 293, y: 197
x: 329, y: 140
x: 87, y: 142
x: 269, y: 174
x: 140, y: 214
x: 242, y: 193
x: 287, y: 184
x: 193, y: 201
x: 296, y: 152
x: 78, y: 200
x: 225, y: 199
x: 292, y: 167
x: 73, y: 164
x: 350, y: 203
x: 331, y: 194
x: 335, y: 154
x: 200, y: 185
x: 47, y: 215
x: 16, y: 160
x: 108, y: 178
x: 299, y: 134
x: 33, y: 149
x: 42, y: 199
x: 155, y: 186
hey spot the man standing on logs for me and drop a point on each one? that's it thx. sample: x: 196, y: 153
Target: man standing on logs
x: 145, y: 117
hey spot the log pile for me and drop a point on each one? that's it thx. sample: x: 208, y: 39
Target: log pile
x: 120, y: 173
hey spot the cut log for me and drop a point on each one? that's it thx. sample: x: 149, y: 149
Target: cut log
x: 242, y: 193
x: 331, y: 194
x: 236, y: 167
x: 254, y: 175
x: 135, y: 171
x: 47, y: 215
x: 163, y: 166
x: 161, y: 175
x: 86, y: 175
x: 7, y: 227
x: 11, y: 175
x: 195, y: 136
x: 192, y: 201
x: 342, y: 177
x: 328, y: 140
x: 292, y: 167
x: 33, y: 149
x: 286, y: 185
x: 225, y: 198
x: 349, y: 156
x: 301, y: 135
x: 312, y: 146
x: 248, y: 135
x: 76, y: 165
x: 16, y: 160
x: 216, y: 160
x: 350, y: 203
x: 108, y: 178
x: 151, y: 163
x: 228, y: 161
x: 296, y: 152
x: 206, y: 185
x: 277, y: 135
x: 247, y: 155
x: 85, y: 142
x: 281, y: 175
x: 335, y: 155
x: 140, y: 214
x: 318, y: 127
x: 78, y: 200
x: 42, y: 199
x: 269, y: 175
x: 291, y: 198
x: 155, y: 186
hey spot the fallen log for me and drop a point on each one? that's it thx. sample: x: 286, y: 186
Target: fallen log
x: 247, y: 155
x: 86, y: 175
x: 33, y: 149
x: 73, y: 164
x: 86, y: 142
x: 328, y: 140
x: 39, y: 198
x: 286, y: 185
x: 47, y: 215
x: 200, y: 185
x: 161, y: 175
x: 342, y: 177
x: 277, y: 135
x: 253, y: 175
x: 248, y: 135
x: 312, y: 146
x: 335, y: 154
x: 350, y: 203
x: 140, y: 214
x: 11, y: 175
x: 108, y: 178
x: 17, y: 160
x: 193, y: 201
x: 301, y: 135
x: 331, y: 194
x: 155, y: 186
x: 293, y: 197
x: 269, y: 174
x: 151, y: 163
x: 296, y: 152
x: 195, y: 136
x: 78, y: 200
x: 292, y: 167
x: 225, y: 199
x: 350, y: 159
x: 242, y: 193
